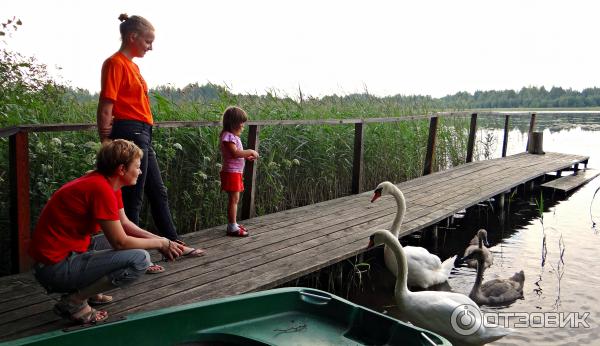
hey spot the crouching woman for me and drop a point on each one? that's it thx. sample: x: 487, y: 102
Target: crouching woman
x: 83, y: 243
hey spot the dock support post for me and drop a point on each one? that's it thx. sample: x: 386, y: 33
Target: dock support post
x: 430, y: 155
x: 357, y: 164
x: 531, y: 128
x: 435, y: 237
x: 20, y: 229
x: 530, y: 185
x: 472, y: 133
x: 248, y: 207
x: 505, y: 142
x: 500, y: 200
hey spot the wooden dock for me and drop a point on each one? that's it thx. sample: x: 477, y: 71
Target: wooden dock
x: 570, y: 182
x: 286, y: 245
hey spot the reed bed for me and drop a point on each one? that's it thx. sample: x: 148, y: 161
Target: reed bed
x: 299, y: 165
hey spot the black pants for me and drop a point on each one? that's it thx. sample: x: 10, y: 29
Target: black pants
x: 149, y: 181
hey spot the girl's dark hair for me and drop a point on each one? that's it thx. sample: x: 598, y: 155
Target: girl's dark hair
x: 132, y: 24
x: 233, y: 117
x: 115, y: 153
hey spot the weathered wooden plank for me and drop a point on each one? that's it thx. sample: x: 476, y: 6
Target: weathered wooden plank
x: 569, y: 182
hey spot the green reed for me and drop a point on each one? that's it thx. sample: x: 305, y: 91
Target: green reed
x: 299, y: 165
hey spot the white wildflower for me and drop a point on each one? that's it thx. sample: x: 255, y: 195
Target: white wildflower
x: 92, y: 145
x: 177, y: 146
x: 56, y: 141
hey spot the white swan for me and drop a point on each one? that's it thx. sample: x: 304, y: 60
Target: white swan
x: 495, y: 291
x: 449, y: 314
x: 424, y: 268
x: 478, y: 242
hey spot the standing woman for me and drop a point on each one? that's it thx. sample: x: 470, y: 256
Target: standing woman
x: 124, y: 112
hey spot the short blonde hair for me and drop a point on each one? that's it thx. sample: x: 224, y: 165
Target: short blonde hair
x: 115, y: 153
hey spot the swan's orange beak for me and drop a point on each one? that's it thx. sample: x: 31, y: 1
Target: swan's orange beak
x: 376, y: 195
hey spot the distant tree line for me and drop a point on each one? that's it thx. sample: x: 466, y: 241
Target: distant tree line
x: 527, y: 97
x: 530, y: 97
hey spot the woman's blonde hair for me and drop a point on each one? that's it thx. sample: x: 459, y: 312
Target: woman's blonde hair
x: 133, y: 24
x: 233, y: 117
x: 115, y: 153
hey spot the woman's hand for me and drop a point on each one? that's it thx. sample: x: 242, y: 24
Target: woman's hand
x: 171, y: 249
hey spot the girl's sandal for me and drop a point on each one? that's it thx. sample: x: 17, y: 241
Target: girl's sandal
x: 241, y: 232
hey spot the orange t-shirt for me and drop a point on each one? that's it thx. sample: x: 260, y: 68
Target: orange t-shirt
x: 122, y: 83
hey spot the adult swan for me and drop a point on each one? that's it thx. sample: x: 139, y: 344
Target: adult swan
x: 453, y: 315
x: 424, y: 268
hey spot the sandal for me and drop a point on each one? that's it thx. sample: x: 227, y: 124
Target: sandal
x: 76, y: 313
x: 241, y: 232
x: 100, y: 299
x: 192, y: 252
x: 155, y: 269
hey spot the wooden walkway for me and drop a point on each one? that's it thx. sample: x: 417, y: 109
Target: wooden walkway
x: 286, y: 245
x: 570, y: 182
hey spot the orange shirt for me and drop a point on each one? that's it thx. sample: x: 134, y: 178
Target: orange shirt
x: 122, y: 83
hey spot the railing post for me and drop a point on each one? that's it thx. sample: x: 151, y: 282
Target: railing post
x: 357, y: 163
x: 248, y: 207
x: 471, y: 143
x: 430, y: 155
x: 20, y: 230
x: 505, y: 142
x: 531, y: 128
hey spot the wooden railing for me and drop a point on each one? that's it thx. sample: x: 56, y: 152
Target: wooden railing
x: 19, y: 215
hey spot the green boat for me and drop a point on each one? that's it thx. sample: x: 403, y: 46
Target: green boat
x: 284, y: 316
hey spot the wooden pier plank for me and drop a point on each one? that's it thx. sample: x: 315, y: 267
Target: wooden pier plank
x: 286, y: 245
x: 570, y: 182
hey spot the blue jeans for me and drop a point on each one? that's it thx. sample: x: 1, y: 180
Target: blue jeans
x: 149, y: 181
x: 80, y: 270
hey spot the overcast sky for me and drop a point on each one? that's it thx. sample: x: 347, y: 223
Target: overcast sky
x: 428, y: 47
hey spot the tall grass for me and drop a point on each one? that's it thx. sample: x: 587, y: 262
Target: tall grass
x: 299, y: 165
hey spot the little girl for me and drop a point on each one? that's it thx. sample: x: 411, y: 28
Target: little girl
x: 233, y: 155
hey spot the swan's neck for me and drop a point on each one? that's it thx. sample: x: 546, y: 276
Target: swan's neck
x: 401, y: 280
x: 401, y: 205
x: 480, y: 242
x: 479, y: 278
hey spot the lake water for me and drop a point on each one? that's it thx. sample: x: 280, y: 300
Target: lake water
x: 565, y: 286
